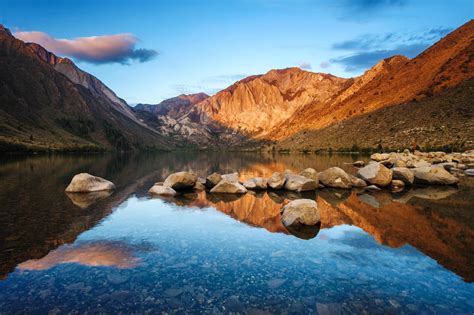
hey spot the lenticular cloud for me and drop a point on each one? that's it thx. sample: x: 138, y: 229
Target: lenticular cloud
x: 119, y: 48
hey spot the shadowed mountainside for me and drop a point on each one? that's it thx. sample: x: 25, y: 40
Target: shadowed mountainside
x: 41, y: 109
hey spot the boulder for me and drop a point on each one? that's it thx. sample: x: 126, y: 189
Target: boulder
x: 434, y: 176
x: 162, y: 190
x: 227, y: 187
x: 300, y: 211
x: 358, y: 163
x: 256, y: 183
x: 199, y: 186
x: 180, y: 181
x: 404, y: 174
x: 380, y: 156
x: 421, y: 163
x: 299, y: 183
x: 212, y: 180
x: 232, y: 177
x: 85, y: 182
x: 311, y: 174
x: 469, y: 172
x: 335, y: 177
x: 376, y: 174
x: 398, y: 163
x: 357, y: 182
x: 277, y: 181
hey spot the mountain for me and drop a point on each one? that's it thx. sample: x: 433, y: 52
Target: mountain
x: 256, y: 104
x: 180, y: 119
x: 393, y: 81
x: 47, y: 103
x: 441, y: 122
x: 276, y: 106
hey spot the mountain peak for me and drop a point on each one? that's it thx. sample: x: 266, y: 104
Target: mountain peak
x: 4, y: 30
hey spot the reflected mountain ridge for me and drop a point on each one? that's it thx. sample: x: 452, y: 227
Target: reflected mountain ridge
x: 42, y: 218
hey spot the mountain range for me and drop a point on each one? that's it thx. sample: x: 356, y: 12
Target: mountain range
x: 47, y: 102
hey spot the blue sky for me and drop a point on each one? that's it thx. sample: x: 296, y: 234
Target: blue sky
x: 174, y: 47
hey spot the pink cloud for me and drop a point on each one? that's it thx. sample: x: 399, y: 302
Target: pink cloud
x: 119, y: 48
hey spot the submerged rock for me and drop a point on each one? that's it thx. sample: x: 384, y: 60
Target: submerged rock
x: 434, y: 175
x: 277, y: 181
x: 180, y: 181
x: 256, y: 183
x: 227, y: 187
x: 299, y: 183
x: 162, y: 190
x: 335, y: 177
x: 212, y: 180
x: 85, y: 182
x: 376, y: 174
x: 300, y: 211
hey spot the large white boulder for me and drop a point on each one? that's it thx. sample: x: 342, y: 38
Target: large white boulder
x: 277, y: 181
x: 300, y: 211
x: 162, y: 190
x: 226, y: 187
x: 310, y: 173
x: 180, y: 180
x: 376, y: 174
x: 404, y: 174
x: 213, y: 179
x: 85, y: 182
x: 256, y: 183
x: 335, y: 177
x: 299, y: 183
x: 434, y: 176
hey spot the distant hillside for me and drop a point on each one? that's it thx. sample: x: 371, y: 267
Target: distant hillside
x: 179, y: 119
x: 444, y: 121
x: 47, y: 103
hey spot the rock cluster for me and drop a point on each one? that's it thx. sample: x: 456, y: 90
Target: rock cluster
x: 385, y: 170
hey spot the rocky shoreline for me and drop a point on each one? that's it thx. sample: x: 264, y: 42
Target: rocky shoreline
x: 395, y: 171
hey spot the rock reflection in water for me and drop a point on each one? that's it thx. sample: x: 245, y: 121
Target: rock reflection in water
x: 85, y: 200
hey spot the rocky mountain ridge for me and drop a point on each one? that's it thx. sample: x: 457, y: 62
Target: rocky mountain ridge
x: 282, y: 103
x: 42, y: 109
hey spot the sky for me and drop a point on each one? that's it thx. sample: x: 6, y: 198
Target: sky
x: 147, y: 51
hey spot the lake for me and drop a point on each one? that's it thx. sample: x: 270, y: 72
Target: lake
x: 378, y: 252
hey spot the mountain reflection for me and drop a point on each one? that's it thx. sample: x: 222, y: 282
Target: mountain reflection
x: 100, y: 253
x: 387, y: 219
x: 38, y: 220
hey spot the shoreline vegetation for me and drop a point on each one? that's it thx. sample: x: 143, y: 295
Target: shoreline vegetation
x: 13, y: 148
